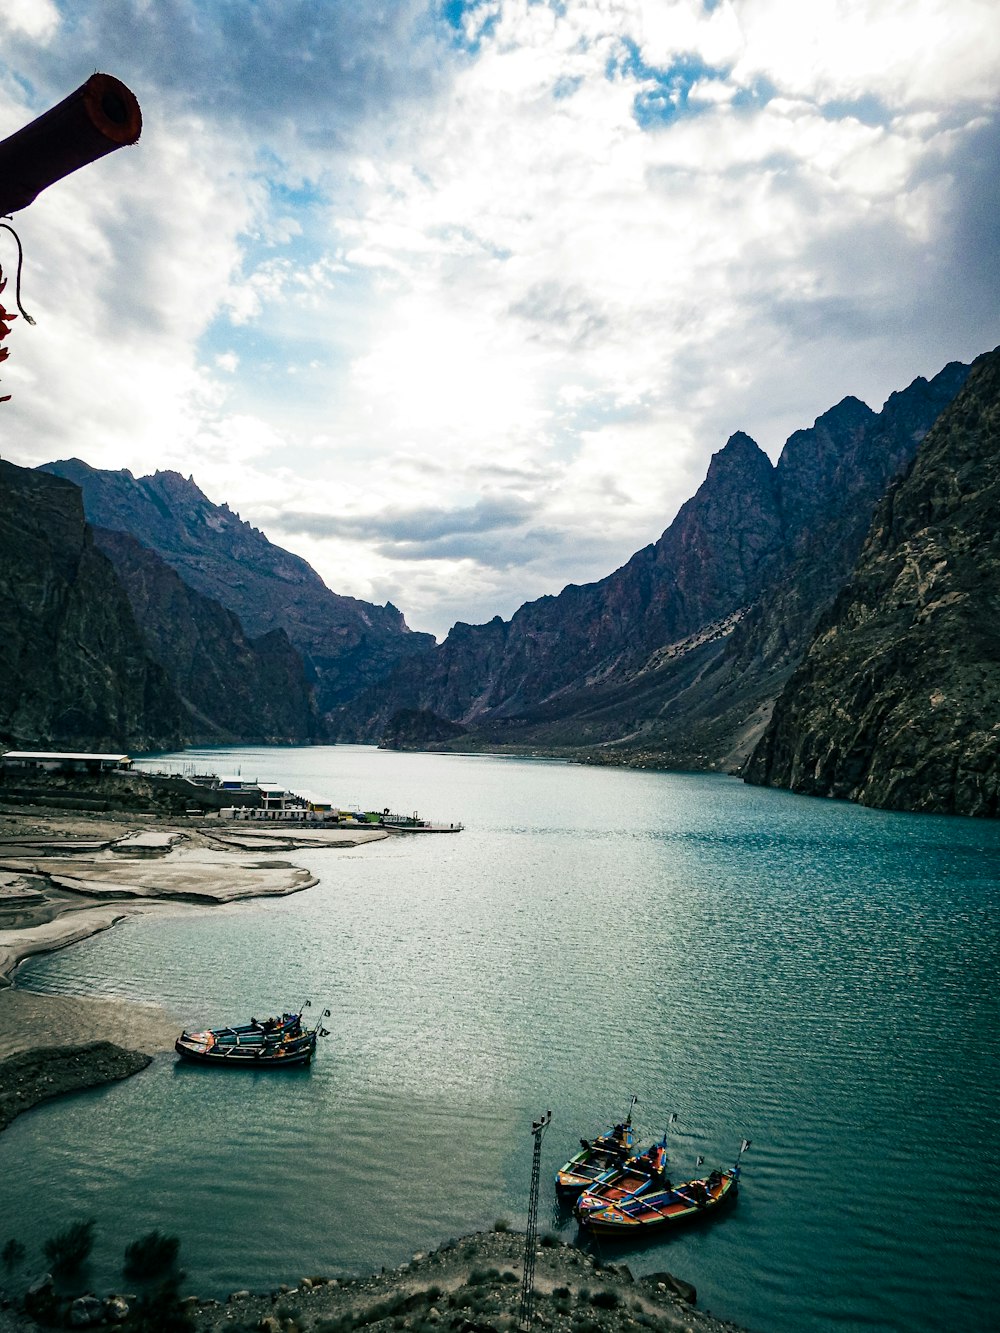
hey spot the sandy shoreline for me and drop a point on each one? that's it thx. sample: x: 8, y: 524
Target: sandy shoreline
x: 66, y: 876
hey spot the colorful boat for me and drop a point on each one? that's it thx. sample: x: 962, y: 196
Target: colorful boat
x: 280, y: 1042
x: 657, y: 1210
x: 634, y: 1176
x: 597, y: 1156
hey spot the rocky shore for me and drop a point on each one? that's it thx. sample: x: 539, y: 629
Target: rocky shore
x: 470, y: 1285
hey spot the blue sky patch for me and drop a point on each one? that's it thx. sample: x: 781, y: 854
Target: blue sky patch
x: 870, y: 110
x: 754, y: 95
x: 454, y: 13
x: 665, y: 95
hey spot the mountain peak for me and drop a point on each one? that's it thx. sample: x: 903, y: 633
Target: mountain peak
x: 739, y: 455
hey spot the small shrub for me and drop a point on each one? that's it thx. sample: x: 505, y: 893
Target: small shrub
x: 67, y: 1250
x: 548, y: 1240
x: 150, y: 1255
x: 508, y: 1276
x: 161, y: 1311
x: 477, y: 1277
x: 605, y: 1300
x: 432, y: 1294
x: 12, y: 1254
x: 502, y: 1224
x: 561, y: 1293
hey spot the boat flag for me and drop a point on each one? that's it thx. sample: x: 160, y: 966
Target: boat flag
x: 673, y: 1117
x: 700, y: 1160
x: 745, y: 1145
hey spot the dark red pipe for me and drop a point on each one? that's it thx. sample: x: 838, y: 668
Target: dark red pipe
x: 99, y: 117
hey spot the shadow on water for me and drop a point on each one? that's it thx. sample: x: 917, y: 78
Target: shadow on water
x: 615, y: 1250
x: 270, y: 1074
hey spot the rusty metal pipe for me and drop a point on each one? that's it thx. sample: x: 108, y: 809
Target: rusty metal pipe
x: 99, y: 117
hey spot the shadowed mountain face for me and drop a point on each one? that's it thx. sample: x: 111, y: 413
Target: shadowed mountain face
x: 233, y: 688
x: 75, y: 670
x: 675, y: 659
x: 896, y: 703
x: 346, y: 644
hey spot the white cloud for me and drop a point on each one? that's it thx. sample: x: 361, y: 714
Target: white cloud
x: 930, y: 51
x: 555, y: 266
x: 37, y: 19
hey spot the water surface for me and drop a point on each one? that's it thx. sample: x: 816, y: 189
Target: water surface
x: 819, y: 978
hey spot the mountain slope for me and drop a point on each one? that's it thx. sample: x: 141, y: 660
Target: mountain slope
x: 897, y: 701
x: 233, y: 688
x: 676, y: 658
x: 75, y: 671
x: 711, y: 560
x: 346, y: 643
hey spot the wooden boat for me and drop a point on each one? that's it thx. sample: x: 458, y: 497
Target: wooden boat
x: 636, y: 1175
x: 280, y: 1042
x: 658, y: 1210
x: 597, y: 1156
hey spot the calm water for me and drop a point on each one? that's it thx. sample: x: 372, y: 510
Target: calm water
x: 818, y: 978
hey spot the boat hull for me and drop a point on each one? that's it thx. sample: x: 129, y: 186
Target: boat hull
x: 244, y: 1057
x: 273, y: 1044
x: 580, y: 1173
x: 625, y: 1180
x: 662, y: 1210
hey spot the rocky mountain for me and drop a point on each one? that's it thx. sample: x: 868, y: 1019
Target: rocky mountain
x: 75, y: 670
x: 411, y: 729
x: 232, y: 687
x: 675, y: 659
x: 896, y: 703
x: 346, y: 644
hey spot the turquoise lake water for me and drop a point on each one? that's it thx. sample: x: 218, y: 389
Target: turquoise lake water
x: 818, y: 978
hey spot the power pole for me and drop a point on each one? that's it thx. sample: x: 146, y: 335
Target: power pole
x: 538, y: 1128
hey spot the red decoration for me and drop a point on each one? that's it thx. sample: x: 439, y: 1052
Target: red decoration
x: 5, y: 317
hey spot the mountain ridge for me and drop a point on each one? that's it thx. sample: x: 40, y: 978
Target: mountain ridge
x: 591, y: 672
x: 345, y: 643
x: 895, y: 701
x: 75, y: 670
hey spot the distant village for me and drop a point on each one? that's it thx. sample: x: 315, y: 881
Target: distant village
x: 228, y: 797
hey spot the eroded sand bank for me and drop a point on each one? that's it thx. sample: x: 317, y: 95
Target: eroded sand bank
x: 66, y: 877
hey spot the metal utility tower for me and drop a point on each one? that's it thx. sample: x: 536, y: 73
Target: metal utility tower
x: 538, y: 1128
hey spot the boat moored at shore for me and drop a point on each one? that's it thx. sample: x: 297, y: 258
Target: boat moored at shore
x: 597, y: 1156
x: 648, y: 1211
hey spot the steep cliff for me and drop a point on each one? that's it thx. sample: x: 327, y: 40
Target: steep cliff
x: 713, y: 559
x: 675, y: 659
x: 75, y: 671
x: 233, y: 688
x: 897, y: 700
x: 346, y: 643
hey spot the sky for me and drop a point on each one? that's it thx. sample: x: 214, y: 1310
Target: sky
x: 457, y: 298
